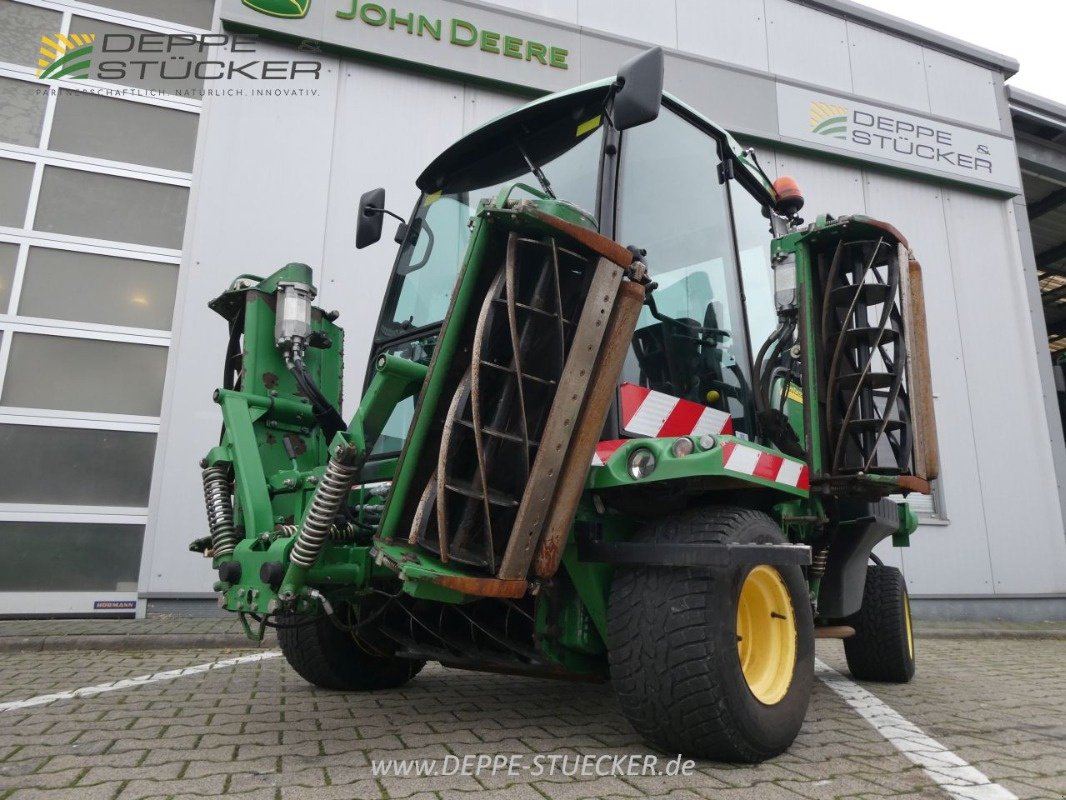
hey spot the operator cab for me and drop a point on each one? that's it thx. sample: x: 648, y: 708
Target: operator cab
x: 670, y: 182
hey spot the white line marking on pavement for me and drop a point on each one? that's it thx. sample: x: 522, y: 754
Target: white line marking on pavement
x: 954, y: 775
x: 140, y: 680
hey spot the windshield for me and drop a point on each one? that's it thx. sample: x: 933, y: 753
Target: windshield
x: 427, y: 265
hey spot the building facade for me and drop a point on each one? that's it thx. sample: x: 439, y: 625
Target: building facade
x: 123, y: 213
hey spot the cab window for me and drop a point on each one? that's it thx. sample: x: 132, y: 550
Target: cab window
x: 690, y: 339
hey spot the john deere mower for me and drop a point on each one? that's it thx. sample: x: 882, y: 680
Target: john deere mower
x: 627, y: 418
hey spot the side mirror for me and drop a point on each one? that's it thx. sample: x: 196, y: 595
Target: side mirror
x: 370, y: 218
x: 638, y: 90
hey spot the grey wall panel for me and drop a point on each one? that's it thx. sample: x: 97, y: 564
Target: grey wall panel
x: 562, y: 10
x: 951, y: 559
x: 739, y: 101
x: 1014, y: 460
x: 960, y: 90
x: 600, y: 58
x: 353, y: 281
x: 827, y: 188
x: 259, y: 201
x: 653, y: 21
x: 887, y: 68
x: 807, y: 45
x: 483, y: 105
x: 724, y: 30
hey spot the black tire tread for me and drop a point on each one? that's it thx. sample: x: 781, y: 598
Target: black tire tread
x: 658, y: 644
x: 330, y: 658
x: 878, y: 651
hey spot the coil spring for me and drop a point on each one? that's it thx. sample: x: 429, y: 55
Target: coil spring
x: 224, y: 536
x: 336, y: 532
x: 818, y: 562
x: 330, y: 493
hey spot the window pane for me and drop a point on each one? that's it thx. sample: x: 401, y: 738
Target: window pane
x: 104, y: 289
x: 15, y: 179
x: 106, y: 207
x: 72, y: 466
x: 21, y: 112
x: 132, y: 77
x: 105, y: 127
x: 672, y: 204
x: 194, y: 13
x: 90, y: 557
x: 21, y: 28
x: 84, y: 375
x: 753, y: 244
x: 9, y: 254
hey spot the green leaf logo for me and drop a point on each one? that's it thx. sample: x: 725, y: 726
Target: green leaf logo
x: 829, y: 120
x: 288, y: 9
x: 65, y: 55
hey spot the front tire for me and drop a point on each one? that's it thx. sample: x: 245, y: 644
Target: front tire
x: 882, y: 648
x: 331, y: 658
x: 684, y: 681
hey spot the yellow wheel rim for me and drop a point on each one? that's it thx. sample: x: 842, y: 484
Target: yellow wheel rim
x: 907, y: 622
x: 766, y: 634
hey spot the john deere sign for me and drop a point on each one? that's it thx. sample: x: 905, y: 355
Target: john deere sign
x: 293, y: 9
x: 460, y: 32
x: 438, y: 35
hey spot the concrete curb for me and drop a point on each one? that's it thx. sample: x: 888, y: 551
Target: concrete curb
x: 992, y: 633
x: 225, y: 641
x: 119, y: 642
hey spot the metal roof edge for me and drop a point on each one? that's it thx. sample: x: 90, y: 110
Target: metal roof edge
x: 1035, y: 105
x: 918, y: 33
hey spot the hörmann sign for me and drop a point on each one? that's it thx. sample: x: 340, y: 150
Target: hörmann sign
x: 435, y: 34
x: 903, y: 138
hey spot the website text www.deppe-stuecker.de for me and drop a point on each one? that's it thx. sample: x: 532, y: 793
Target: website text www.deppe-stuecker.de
x: 537, y: 766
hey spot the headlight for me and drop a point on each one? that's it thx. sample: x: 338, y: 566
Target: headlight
x: 708, y: 442
x: 682, y: 447
x: 641, y: 463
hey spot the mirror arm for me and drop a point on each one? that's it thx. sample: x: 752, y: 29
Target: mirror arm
x: 373, y: 210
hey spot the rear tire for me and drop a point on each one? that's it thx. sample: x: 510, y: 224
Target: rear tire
x: 882, y: 648
x: 331, y: 658
x: 676, y: 663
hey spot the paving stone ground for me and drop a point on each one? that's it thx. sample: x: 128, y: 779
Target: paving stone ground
x: 258, y: 731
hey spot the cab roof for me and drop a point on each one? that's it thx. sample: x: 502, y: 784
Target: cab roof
x: 490, y: 154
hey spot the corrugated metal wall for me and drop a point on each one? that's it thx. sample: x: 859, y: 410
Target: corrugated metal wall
x: 280, y: 183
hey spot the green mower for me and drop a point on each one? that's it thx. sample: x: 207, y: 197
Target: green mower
x: 627, y: 418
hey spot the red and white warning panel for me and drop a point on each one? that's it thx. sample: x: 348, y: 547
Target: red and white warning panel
x: 606, y: 449
x: 746, y: 460
x: 650, y: 413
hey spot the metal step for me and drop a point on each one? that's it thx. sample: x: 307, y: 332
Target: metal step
x: 510, y: 437
x: 469, y: 490
x: 870, y: 294
x: 525, y: 375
